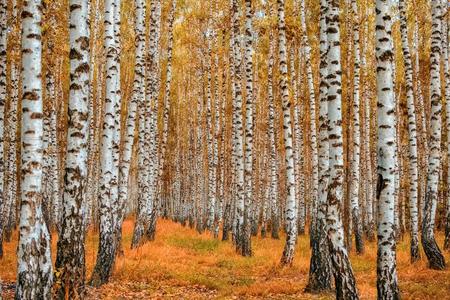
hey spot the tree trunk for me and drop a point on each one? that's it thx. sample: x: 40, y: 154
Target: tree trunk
x: 412, y: 131
x: 435, y: 258
x: 70, y: 261
x: 272, y: 174
x: 109, y: 161
x: 139, y: 95
x: 355, y: 159
x: 446, y: 53
x: 249, y: 120
x: 343, y: 273
x: 320, y: 265
x: 9, y: 208
x: 291, y: 207
x: 3, y: 80
x: 239, y: 130
x: 167, y: 99
x: 387, y: 285
x: 34, y: 264
x: 153, y: 84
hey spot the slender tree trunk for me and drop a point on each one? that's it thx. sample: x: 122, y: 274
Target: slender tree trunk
x: 153, y: 83
x: 343, y: 273
x: 369, y: 191
x: 34, y: 263
x: 435, y: 258
x: 139, y: 96
x: 412, y: 131
x: 109, y: 162
x: 51, y: 154
x: 446, y: 54
x: 273, y: 175
x: 249, y: 122
x: 298, y: 149
x: 210, y: 137
x: 218, y: 177
x: 291, y: 207
x: 70, y: 261
x: 3, y: 80
x: 223, y: 149
x: 320, y: 265
x: 239, y: 139
x: 313, y: 127
x: 387, y: 285
x: 355, y: 160
x: 9, y: 208
x: 167, y: 98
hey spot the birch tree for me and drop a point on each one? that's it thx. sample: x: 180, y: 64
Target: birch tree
x: 70, y: 262
x: 355, y: 159
x: 239, y: 130
x: 139, y: 96
x: 34, y: 264
x: 387, y: 285
x: 167, y: 95
x: 3, y: 80
x: 432, y: 251
x: 153, y: 83
x: 209, y: 133
x: 10, y: 195
x: 273, y: 175
x: 313, y: 125
x: 446, y: 54
x: 412, y: 131
x: 298, y: 148
x: 368, y: 168
x: 249, y: 124
x: 109, y: 161
x: 320, y: 265
x: 343, y: 273
x: 291, y: 207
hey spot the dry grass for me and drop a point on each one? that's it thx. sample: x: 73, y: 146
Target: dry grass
x: 183, y: 264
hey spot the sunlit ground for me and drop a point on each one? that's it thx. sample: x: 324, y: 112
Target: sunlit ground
x: 183, y: 264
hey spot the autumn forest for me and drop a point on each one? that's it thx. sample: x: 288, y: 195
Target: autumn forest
x: 224, y: 149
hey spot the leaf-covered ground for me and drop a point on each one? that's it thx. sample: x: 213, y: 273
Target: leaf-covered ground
x: 182, y: 264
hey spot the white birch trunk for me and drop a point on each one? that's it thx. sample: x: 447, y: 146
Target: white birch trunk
x: 273, y: 174
x: 139, y: 96
x: 387, y: 285
x: 412, y: 131
x: 109, y: 156
x: 291, y: 207
x: 356, y: 157
x: 249, y: 123
x: 320, y: 265
x: 34, y: 265
x: 153, y: 83
x: 70, y: 260
x: 239, y: 130
x: 3, y: 80
x: 435, y: 258
x: 343, y: 273
x: 446, y: 54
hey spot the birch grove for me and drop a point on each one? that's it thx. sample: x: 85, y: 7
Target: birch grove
x: 224, y: 149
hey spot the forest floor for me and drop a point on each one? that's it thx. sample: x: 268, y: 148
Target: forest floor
x: 182, y: 264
